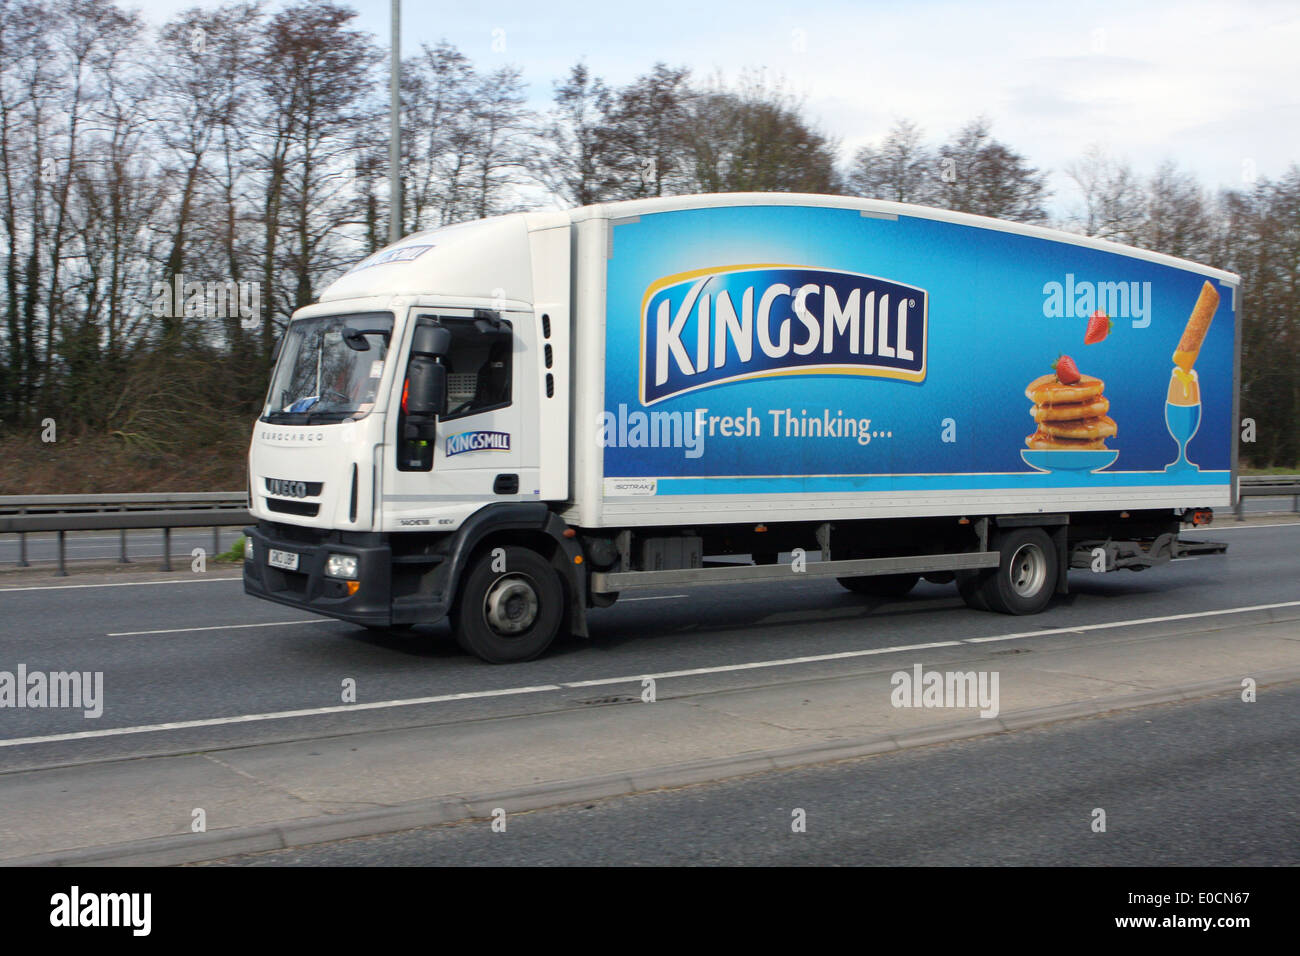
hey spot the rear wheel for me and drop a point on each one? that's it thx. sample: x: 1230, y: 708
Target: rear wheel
x: 510, y: 606
x: 970, y: 587
x: 1024, y: 580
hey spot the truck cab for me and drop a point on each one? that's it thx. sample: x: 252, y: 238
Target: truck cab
x: 428, y: 387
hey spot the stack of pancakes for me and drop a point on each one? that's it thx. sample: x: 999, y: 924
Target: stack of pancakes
x: 1069, y: 417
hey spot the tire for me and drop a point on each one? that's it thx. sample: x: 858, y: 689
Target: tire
x: 881, y: 585
x: 1025, y: 578
x: 511, y: 615
x: 970, y: 585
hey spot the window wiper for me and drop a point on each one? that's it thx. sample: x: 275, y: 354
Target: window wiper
x: 331, y: 415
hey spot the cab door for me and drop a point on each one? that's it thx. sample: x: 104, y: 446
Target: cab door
x: 485, y: 447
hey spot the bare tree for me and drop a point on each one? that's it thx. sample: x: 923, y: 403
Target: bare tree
x: 1113, y: 201
x: 900, y: 169
x: 1264, y: 223
x: 979, y: 174
x: 24, y: 78
x: 650, y: 135
x: 437, y: 155
x: 755, y: 138
x: 575, y: 141
x: 500, y: 138
x: 316, y: 72
x: 1179, y: 218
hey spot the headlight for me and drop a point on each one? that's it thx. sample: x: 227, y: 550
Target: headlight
x: 341, y: 566
x: 248, y: 549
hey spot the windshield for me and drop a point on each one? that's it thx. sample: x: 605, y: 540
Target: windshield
x: 329, y: 369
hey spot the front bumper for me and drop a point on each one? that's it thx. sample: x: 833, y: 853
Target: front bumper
x: 308, y: 588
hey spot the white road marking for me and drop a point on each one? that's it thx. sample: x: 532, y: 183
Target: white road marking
x: 1081, y: 628
x: 219, y: 627
x: 636, y: 678
x: 657, y: 597
x: 753, y: 665
x: 276, y: 715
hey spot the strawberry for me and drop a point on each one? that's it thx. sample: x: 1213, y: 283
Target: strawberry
x: 1099, y: 326
x: 1067, y: 373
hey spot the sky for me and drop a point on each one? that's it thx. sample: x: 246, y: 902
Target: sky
x: 1213, y: 86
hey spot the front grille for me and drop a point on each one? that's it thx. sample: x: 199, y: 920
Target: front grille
x: 301, y: 489
x: 285, y: 506
x: 298, y: 534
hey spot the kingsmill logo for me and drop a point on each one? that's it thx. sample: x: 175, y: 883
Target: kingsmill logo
x: 732, y: 323
x: 477, y: 441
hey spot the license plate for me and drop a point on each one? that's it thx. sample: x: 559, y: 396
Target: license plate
x: 282, y: 559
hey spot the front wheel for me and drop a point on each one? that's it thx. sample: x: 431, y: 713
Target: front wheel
x: 510, y: 606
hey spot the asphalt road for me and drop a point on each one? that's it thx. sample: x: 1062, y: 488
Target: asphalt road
x: 195, y: 648
x: 1214, y: 782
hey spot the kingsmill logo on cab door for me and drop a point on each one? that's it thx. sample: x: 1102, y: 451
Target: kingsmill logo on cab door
x: 732, y: 323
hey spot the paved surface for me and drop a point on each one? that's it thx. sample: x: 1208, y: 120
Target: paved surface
x: 191, y: 648
x: 1208, y: 783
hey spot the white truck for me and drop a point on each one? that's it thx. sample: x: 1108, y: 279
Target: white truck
x: 513, y: 421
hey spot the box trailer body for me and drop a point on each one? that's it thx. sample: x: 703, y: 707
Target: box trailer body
x: 624, y: 393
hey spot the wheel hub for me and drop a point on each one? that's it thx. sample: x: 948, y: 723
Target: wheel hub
x: 1028, y: 570
x: 511, y: 605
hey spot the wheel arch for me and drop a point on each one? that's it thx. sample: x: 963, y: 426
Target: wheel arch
x: 530, y: 525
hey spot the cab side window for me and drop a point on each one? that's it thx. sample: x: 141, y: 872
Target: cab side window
x: 478, y: 368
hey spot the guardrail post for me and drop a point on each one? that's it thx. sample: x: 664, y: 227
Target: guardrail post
x: 167, y: 549
x: 121, y: 538
x: 216, y: 541
x: 22, y: 550
x: 63, y: 571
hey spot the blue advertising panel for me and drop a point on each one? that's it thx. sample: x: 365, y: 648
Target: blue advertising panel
x: 795, y: 348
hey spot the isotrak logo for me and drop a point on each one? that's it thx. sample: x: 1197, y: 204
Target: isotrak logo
x: 477, y: 441
x: 35, y: 690
x: 732, y: 323
x: 74, y: 908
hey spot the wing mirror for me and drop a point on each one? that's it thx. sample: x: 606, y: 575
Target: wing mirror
x: 426, y: 376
